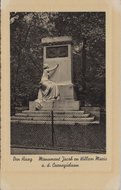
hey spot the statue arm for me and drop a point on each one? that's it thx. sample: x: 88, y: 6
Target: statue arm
x: 53, y: 68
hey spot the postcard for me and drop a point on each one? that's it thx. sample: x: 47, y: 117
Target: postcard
x: 60, y: 83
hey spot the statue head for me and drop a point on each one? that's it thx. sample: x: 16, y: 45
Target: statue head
x: 45, y: 66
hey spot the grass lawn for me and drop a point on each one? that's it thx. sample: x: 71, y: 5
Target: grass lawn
x: 83, y: 138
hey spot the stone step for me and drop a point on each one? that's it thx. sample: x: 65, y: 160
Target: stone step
x: 57, y: 105
x: 55, y: 112
x: 55, y: 123
x: 71, y: 115
x: 55, y: 119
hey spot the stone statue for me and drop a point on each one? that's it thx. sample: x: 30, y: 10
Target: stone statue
x: 48, y: 90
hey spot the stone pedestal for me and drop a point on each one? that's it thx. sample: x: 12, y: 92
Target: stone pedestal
x: 58, y: 50
x: 67, y: 92
x: 63, y: 105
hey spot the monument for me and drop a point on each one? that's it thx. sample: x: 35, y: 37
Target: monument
x: 59, y: 122
x: 58, y: 51
x: 57, y: 57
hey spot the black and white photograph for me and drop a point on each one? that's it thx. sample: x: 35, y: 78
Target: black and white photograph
x: 58, y: 83
x: 60, y: 95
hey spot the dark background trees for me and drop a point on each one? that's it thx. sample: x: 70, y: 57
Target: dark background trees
x: 86, y: 28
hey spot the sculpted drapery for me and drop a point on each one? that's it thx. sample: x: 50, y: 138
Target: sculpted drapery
x: 48, y: 90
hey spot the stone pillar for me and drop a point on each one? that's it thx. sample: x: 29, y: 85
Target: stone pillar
x: 58, y: 50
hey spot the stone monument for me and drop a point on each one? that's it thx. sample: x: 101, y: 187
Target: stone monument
x: 59, y: 123
x: 67, y: 110
x: 58, y: 50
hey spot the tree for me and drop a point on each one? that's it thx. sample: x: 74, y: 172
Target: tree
x: 26, y: 30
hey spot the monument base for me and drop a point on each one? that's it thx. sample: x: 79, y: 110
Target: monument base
x: 57, y: 105
x: 67, y: 91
